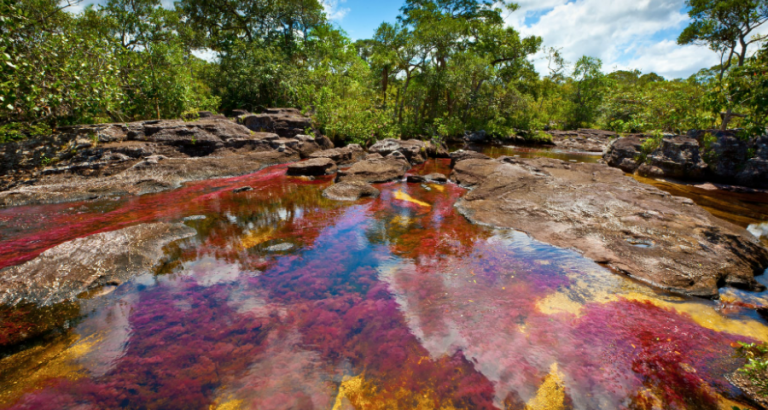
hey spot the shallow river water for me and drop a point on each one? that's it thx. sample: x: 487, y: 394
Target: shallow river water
x: 394, y: 302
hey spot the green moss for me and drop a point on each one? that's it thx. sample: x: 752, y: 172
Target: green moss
x: 19, y: 131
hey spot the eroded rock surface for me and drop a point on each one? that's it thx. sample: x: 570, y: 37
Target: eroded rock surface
x: 637, y: 229
x: 90, y: 162
x: 715, y: 156
x: 350, y: 191
x: 375, y: 170
x: 415, y: 151
x: 313, y: 167
x: 582, y: 140
x: 678, y: 157
x: 342, y: 156
x: 286, y: 122
x: 67, y: 270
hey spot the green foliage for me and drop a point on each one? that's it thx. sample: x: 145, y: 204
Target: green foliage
x: 756, y: 367
x: 589, y: 87
x: 17, y: 131
x: 651, y: 143
x: 708, y: 154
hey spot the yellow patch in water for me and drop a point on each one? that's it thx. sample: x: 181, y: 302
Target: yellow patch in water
x: 558, y: 303
x: 704, y: 315
x: 227, y: 405
x: 365, y: 395
x: 402, y: 220
x: 402, y: 196
x: 30, y: 369
x: 551, y: 393
x: 437, y: 187
x: 255, y: 238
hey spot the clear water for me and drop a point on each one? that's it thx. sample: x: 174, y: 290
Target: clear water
x: 394, y: 302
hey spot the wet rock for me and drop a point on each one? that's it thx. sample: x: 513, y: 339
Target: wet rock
x: 194, y: 218
x: 342, y: 156
x: 750, y: 389
x: 476, y: 137
x: 462, y: 155
x: 63, y: 272
x: 313, y: 167
x: 596, y: 210
x: 375, y: 171
x: 350, y: 191
x: 242, y: 189
x: 373, y: 156
x: 678, y: 157
x: 436, y: 178
x: 625, y: 154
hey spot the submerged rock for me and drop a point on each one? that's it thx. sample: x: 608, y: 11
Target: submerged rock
x: 350, y: 191
x: 313, y: 167
x: 67, y: 270
x: 375, y: 171
x: 282, y: 247
x: 636, y: 229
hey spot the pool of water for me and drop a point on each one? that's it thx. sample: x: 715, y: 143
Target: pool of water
x: 386, y: 303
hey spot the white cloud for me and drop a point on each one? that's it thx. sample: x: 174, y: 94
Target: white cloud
x: 624, y: 34
x: 334, y: 10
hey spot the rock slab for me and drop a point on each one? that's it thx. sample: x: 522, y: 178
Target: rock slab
x: 67, y: 270
x: 636, y: 229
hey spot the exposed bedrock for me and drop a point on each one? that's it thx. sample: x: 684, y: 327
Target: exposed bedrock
x: 89, y: 162
x: 639, y: 230
x: 415, y: 151
x: 350, y: 191
x: 714, y: 156
x: 376, y: 170
x: 71, y: 268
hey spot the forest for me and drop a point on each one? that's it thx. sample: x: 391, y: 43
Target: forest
x: 444, y: 68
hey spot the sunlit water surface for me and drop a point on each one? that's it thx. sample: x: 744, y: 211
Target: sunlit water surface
x: 394, y: 302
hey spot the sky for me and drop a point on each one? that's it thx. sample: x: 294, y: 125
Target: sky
x: 624, y: 34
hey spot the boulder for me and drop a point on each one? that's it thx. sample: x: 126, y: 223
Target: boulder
x: 285, y: 122
x: 477, y: 137
x: 312, y: 167
x: 415, y: 151
x: 678, y: 157
x: 342, y: 156
x: 634, y: 228
x: 435, y: 178
x: 582, y: 140
x: 755, y: 172
x: 238, y: 113
x: 462, y: 155
x: 350, y: 191
x: 625, y: 154
x: 375, y: 171
x: 67, y: 270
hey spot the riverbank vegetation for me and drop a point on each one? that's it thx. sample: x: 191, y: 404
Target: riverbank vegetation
x: 445, y: 67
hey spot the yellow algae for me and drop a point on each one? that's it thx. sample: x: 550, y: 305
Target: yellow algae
x: 402, y: 220
x: 558, y: 303
x: 704, y: 315
x: 255, y: 238
x: 402, y: 196
x: 230, y: 404
x: 551, y: 393
x: 365, y: 395
x: 437, y: 187
x: 31, y: 368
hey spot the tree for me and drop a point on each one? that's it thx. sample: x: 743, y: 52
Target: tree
x: 590, y: 85
x: 726, y: 26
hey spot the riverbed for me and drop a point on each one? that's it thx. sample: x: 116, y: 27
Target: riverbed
x: 284, y: 299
